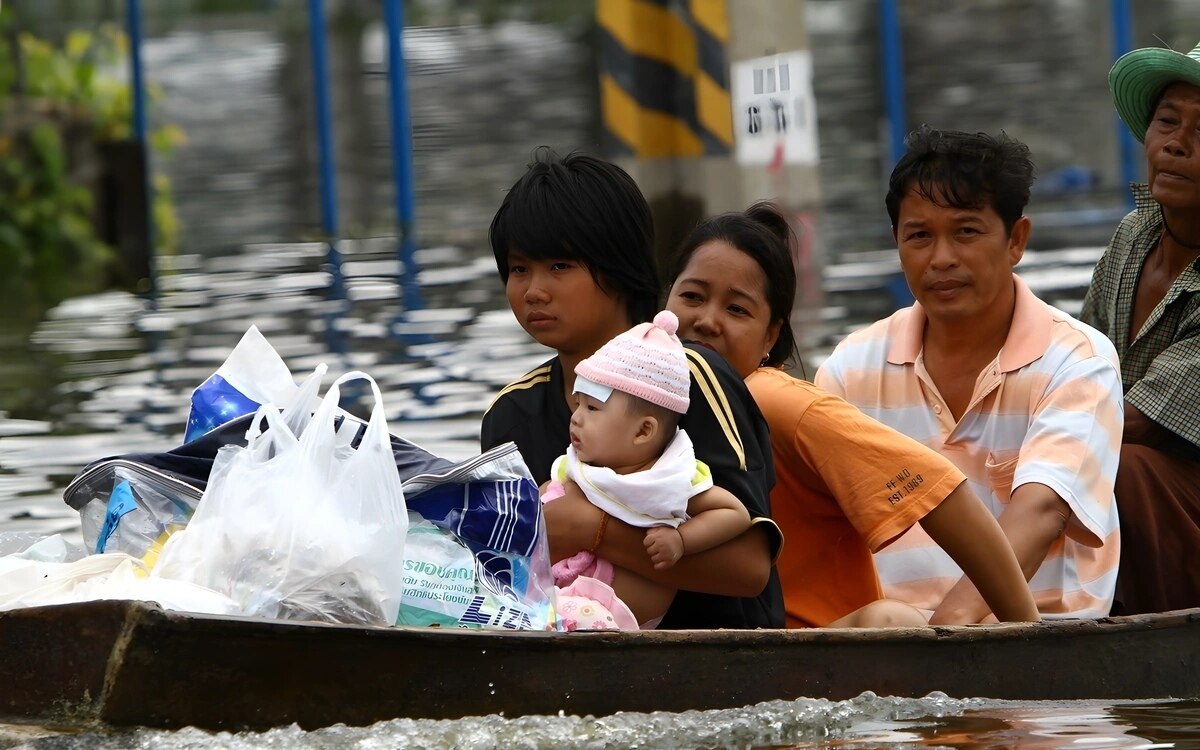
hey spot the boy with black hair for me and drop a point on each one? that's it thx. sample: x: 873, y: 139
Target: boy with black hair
x: 586, y: 209
x: 573, y: 241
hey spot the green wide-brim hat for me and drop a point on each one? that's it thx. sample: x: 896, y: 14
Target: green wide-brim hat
x: 1138, y: 78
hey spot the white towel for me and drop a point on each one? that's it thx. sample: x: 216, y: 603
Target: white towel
x: 657, y: 496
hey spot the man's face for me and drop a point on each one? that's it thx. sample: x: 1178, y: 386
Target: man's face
x: 958, y: 261
x: 1173, y: 148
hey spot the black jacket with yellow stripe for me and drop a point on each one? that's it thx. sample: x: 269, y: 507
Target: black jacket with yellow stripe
x: 728, y: 432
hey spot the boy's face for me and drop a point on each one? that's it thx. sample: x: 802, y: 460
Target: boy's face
x: 560, y: 305
x: 606, y: 433
x: 958, y: 261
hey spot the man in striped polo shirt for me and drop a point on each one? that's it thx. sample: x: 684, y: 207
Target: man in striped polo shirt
x: 1023, y: 398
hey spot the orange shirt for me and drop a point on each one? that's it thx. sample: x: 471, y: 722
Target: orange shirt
x: 845, y: 486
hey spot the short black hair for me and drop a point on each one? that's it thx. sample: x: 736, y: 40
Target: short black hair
x: 963, y: 170
x: 582, y: 208
x: 763, y: 233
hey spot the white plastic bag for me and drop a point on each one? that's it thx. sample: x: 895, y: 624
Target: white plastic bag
x: 251, y: 375
x: 301, y: 528
x: 127, y: 506
x: 47, y: 574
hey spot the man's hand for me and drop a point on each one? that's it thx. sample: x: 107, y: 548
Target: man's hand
x: 1033, y: 519
x: 1142, y: 430
x: 664, y: 545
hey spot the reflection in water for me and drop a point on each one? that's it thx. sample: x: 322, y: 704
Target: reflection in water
x: 1032, y: 726
x: 864, y: 722
x: 1168, y: 723
x: 114, y: 377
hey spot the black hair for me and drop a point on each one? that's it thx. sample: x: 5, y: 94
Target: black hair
x: 585, y: 209
x: 763, y: 233
x: 963, y: 170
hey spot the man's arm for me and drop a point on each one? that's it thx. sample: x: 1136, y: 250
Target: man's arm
x: 1072, y: 446
x: 1142, y: 430
x: 1034, y: 518
x: 1168, y: 392
x: 738, y: 568
x: 963, y: 527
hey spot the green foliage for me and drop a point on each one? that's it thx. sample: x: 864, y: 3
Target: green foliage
x: 48, y: 248
x: 56, y: 104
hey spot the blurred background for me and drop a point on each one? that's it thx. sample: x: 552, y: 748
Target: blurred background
x: 265, y: 178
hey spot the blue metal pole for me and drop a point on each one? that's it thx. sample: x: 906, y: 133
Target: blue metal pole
x: 133, y: 21
x: 325, y: 168
x: 1122, y: 25
x: 891, y: 47
x: 402, y: 170
x: 133, y: 12
x: 320, y: 74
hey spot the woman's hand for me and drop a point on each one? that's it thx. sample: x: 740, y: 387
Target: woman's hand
x: 740, y: 567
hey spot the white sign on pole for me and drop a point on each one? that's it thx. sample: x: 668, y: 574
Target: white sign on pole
x: 774, y: 111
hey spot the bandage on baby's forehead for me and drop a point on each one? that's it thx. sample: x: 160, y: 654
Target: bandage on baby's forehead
x: 592, y: 388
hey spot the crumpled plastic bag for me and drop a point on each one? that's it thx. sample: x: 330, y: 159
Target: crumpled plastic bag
x: 32, y: 546
x: 252, y: 375
x: 126, y: 506
x: 298, y: 524
x: 50, y: 571
x: 490, y: 504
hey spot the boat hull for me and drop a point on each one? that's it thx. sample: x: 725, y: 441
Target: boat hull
x: 132, y: 663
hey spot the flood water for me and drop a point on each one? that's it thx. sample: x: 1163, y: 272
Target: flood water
x: 111, y: 373
x: 863, y: 723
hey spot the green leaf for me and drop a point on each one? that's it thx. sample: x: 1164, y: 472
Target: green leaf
x: 78, y: 43
x: 85, y: 74
x: 47, y: 144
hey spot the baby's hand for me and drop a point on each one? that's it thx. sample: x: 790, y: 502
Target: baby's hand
x: 665, y: 546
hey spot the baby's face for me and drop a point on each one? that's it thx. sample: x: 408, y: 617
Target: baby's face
x: 603, y: 432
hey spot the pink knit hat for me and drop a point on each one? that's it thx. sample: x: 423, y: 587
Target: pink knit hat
x: 646, y: 361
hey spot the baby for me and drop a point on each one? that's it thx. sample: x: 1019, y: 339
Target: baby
x: 630, y: 459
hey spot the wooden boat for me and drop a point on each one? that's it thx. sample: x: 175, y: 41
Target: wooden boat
x: 132, y: 663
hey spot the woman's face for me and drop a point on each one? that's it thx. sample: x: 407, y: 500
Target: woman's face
x: 721, y: 300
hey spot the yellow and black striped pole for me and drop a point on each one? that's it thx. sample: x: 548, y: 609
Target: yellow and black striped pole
x: 664, y: 78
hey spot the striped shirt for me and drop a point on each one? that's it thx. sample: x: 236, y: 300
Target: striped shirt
x: 1048, y: 409
x: 1160, y: 366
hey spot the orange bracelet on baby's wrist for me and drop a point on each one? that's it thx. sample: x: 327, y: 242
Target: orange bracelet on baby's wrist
x: 599, y: 532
